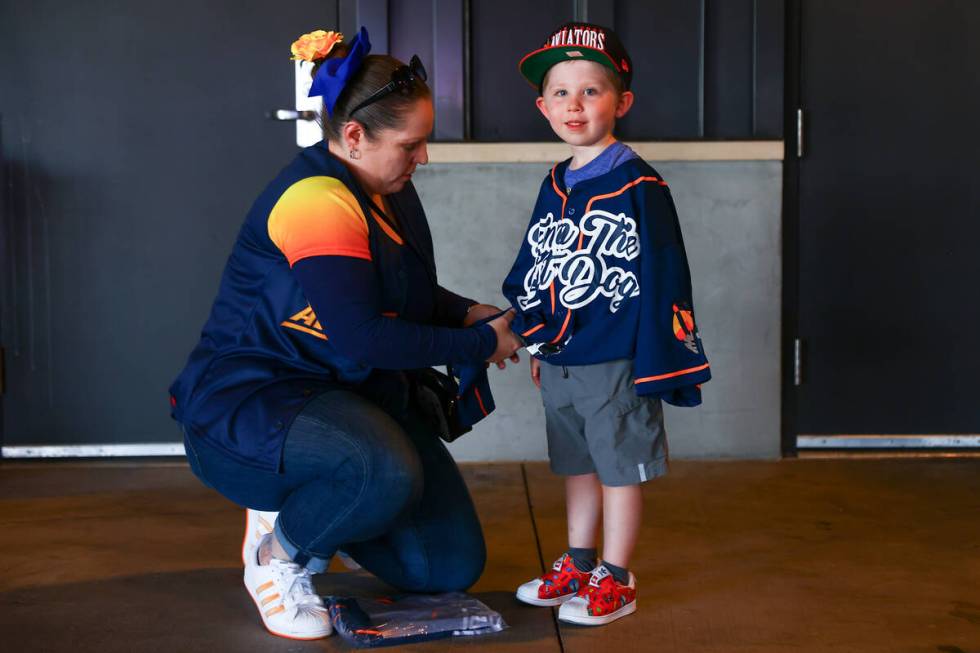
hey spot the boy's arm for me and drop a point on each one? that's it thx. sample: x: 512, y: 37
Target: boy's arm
x: 669, y: 362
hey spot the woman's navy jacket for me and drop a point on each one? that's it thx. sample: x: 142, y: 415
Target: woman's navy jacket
x: 602, y: 275
x: 263, y: 353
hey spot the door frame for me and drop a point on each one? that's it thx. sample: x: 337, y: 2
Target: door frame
x: 791, y: 227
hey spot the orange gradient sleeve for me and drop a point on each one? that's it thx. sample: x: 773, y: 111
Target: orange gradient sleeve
x: 318, y: 216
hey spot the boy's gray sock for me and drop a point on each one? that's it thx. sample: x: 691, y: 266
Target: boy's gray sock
x: 584, y: 559
x: 622, y: 576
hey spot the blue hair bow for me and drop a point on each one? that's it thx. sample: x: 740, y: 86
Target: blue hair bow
x: 334, y: 73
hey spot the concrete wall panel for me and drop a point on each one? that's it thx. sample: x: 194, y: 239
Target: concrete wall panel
x: 730, y: 216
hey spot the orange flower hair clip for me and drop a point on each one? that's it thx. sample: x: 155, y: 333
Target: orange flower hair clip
x: 315, y: 46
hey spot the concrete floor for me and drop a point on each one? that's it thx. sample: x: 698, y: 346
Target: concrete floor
x: 797, y: 555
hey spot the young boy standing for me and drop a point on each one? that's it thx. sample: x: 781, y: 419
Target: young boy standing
x: 603, y: 297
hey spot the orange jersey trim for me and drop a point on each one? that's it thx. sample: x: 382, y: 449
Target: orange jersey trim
x: 385, y: 227
x: 671, y: 375
x: 479, y: 400
x: 588, y: 207
x: 532, y: 330
x: 564, y: 200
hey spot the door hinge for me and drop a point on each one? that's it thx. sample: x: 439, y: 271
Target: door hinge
x: 797, y: 362
x: 799, y: 133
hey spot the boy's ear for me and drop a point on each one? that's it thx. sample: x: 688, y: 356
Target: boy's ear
x: 625, y: 103
x: 542, y: 107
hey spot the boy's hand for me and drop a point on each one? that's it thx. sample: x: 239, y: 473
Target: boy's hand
x: 507, y: 342
x: 536, y: 372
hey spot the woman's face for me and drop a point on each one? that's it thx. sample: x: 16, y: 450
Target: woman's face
x: 389, y: 158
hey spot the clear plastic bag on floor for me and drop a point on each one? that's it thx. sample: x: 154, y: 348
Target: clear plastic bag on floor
x: 369, y: 623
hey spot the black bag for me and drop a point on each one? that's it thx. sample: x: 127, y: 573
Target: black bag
x: 437, y: 396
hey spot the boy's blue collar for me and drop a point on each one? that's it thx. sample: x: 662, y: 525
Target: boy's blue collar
x: 562, y: 167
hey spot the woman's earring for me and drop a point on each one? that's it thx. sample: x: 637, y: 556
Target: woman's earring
x: 354, y: 154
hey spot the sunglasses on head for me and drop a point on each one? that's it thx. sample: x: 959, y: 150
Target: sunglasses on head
x: 401, y: 80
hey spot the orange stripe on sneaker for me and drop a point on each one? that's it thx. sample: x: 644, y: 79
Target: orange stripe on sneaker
x: 265, y: 523
x: 263, y: 587
x: 275, y: 610
x: 269, y: 599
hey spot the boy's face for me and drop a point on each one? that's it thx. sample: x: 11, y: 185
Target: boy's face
x: 580, y: 102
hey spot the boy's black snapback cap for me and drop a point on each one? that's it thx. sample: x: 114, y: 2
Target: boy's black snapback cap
x: 578, y: 41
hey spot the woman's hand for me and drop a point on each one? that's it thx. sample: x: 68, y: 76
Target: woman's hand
x: 536, y: 372
x: 507, y: 342
x: 479, y: 312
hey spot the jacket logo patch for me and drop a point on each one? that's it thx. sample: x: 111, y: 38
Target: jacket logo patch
x: 684, y: 329
x: 585, y: 272
x: 306, y: 322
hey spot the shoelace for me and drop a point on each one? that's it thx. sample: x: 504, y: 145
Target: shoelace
x: 300, y: 591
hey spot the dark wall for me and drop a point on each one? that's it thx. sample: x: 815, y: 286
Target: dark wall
x: 132, y: 146
x: 704, y: 69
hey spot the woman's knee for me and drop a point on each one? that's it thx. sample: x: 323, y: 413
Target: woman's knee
x: 354, y: 468
x: 467, y: 571
x: 453, y: 570
x: 395, y: 478
x: 342, y: 426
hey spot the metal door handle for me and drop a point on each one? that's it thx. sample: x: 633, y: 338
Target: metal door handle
x: 291, y: 114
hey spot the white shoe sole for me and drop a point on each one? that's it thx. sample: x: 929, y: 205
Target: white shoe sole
x: 601, y: 620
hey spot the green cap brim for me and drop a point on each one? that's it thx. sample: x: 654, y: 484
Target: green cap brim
x: 535, y: 65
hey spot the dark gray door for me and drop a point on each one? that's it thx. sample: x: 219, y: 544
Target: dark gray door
x: 889, y: 218
x: 134, y: 140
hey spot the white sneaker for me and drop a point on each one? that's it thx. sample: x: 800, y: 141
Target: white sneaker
x: 556, y: 586
x: 258, y: 524
x: 289, y: 606
x: 600, y: 602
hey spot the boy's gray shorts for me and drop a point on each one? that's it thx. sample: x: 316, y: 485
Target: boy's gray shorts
x: 597, y: 423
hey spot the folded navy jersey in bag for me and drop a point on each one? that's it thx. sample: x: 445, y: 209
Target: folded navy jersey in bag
x: 371, y: 623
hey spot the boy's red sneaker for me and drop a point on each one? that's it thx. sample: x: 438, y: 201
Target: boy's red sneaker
x: 556, y: 586
x: 600, y: 601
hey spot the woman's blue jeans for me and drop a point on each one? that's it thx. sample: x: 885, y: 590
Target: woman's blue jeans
x: 380, y: 486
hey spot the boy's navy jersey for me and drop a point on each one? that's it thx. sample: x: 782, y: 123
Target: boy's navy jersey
x: 602, y: 275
